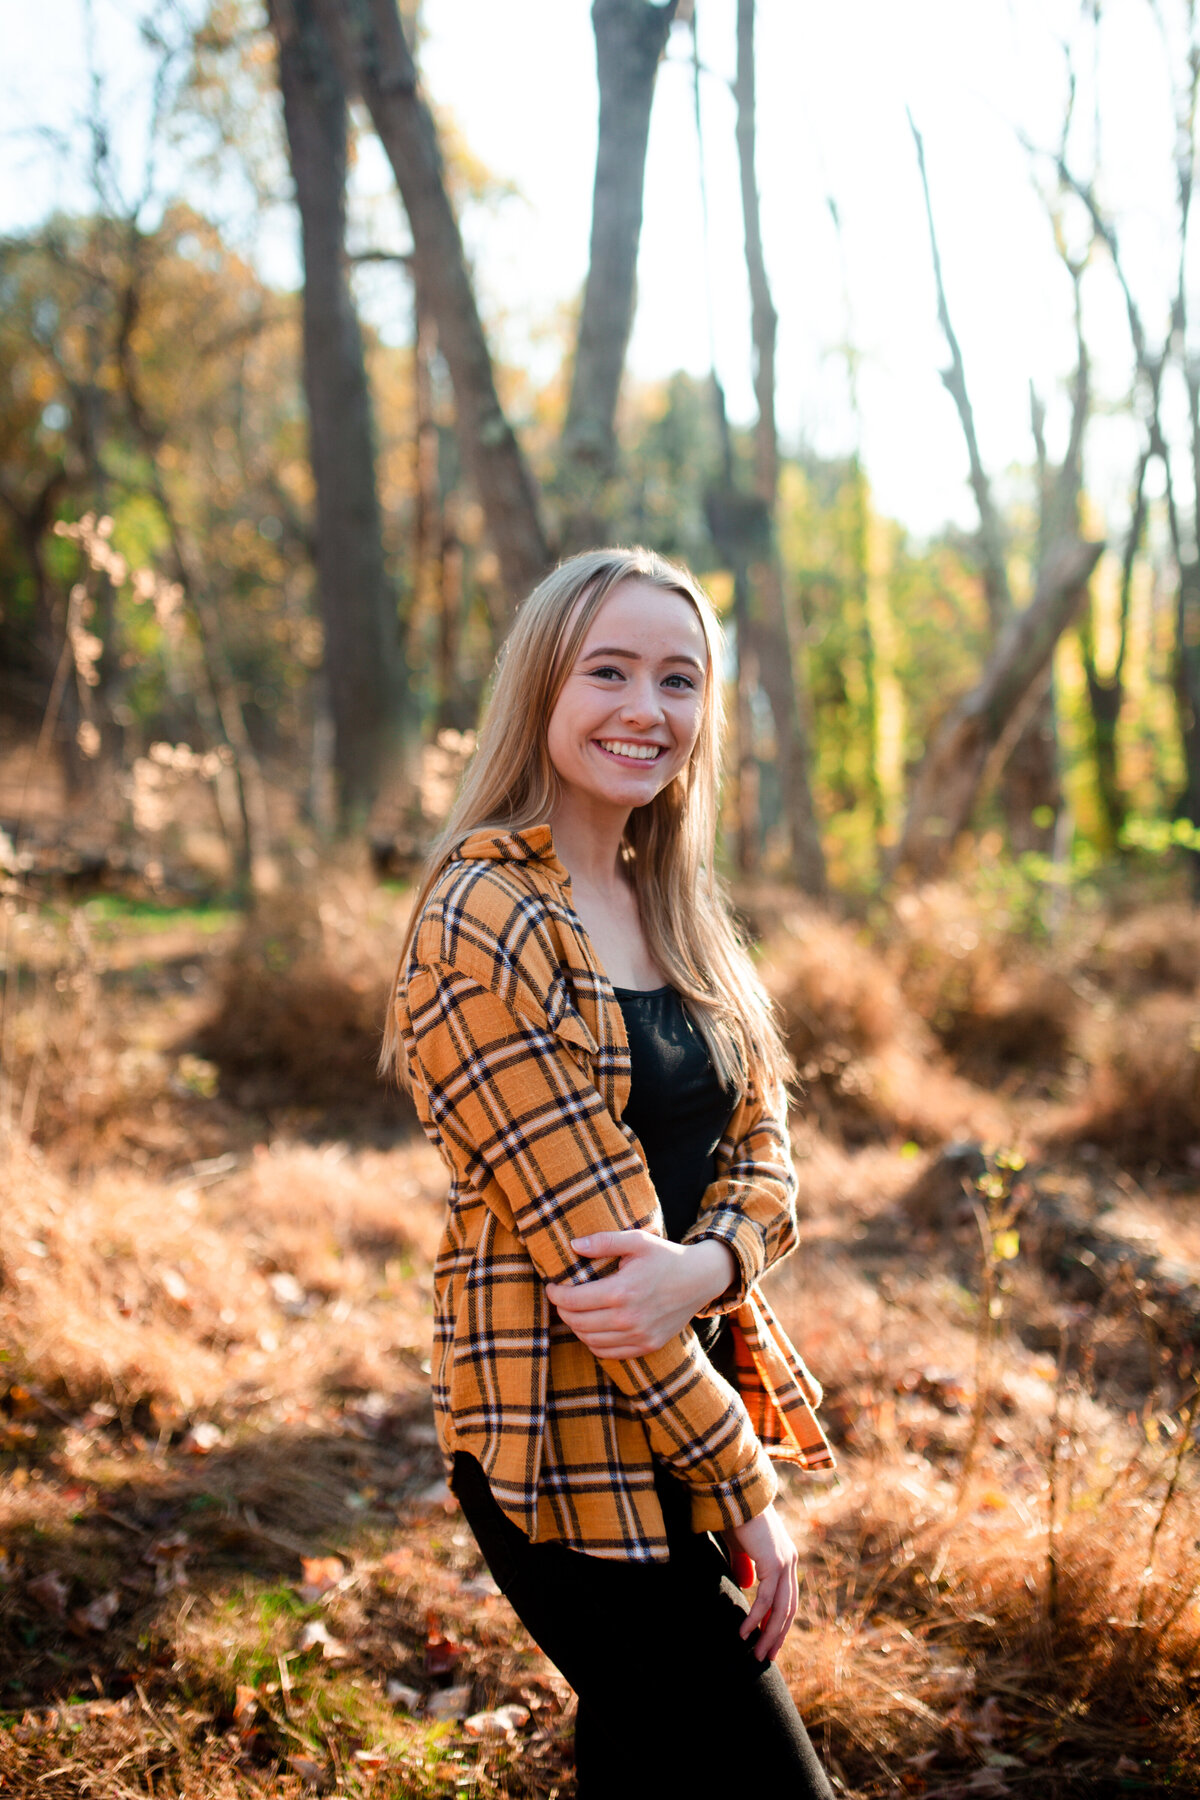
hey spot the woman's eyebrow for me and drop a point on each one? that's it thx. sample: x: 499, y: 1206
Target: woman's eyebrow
x: 636, y: 656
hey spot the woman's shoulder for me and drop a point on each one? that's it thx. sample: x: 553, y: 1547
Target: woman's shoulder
x: 493, y: 913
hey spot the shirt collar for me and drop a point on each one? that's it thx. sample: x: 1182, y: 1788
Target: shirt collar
x: 535, y: 844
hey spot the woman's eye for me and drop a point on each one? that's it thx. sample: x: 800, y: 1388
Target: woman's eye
x: 617, y: 673
x: 684, y: 681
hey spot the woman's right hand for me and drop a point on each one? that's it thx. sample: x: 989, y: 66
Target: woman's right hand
x: 766, y: 1542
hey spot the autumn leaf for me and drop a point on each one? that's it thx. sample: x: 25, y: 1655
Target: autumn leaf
x: 321, y: 1573
x: 167, y: 1556
x: 441, y: 1653
x: 403, y: 1696
x: 374, y: 1760
x: 245, y: 1706
x: 50, y: 1591
x: 315, y: 1633
x: 202, y: 1437
x: 504, y: 1722
x: 450, y: 1703
x: 99, y: 1614
x: 311, y: 1773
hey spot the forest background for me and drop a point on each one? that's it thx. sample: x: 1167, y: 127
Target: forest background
x: 326, y: 329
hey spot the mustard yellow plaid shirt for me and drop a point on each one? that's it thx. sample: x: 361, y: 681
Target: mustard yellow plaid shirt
x: 520, y: 1071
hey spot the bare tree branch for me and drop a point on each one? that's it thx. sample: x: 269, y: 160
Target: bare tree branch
x: 991, y: 533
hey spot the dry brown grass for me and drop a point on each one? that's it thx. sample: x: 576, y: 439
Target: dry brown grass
x: 1142, y: 1100
x: 1154, y: 948
x: 869, y: 1069
x: 295, y: 1272
x: 1002, y: 1011
x: 213, y: 1320
x: 301, y: 998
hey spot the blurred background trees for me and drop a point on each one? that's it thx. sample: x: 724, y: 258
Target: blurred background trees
x: 239, y: 519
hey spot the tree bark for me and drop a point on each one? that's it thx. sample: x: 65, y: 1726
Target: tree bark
x: 358, y: 609
x: 1187, y: 618
x: 950, y: 777
x: 630, y: 38
x: 1106, y: 693
x: 776, y: 652
x: 374, y: 58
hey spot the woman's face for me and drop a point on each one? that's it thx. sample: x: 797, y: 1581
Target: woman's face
x: 629, y: 712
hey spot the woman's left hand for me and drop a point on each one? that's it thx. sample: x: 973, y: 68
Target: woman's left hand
x: 658, y: 1290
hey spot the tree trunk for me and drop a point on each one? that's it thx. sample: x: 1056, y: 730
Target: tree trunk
x: 1031, y: 794
x: 776, y: 653
x: 1187, y: 695
x: 630, y: 38
x: 1106, y: 693
x: 974, y: 733
x: 358, y: 610
x: 373, y: 55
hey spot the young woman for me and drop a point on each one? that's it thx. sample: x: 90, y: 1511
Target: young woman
x: 589, y: 1047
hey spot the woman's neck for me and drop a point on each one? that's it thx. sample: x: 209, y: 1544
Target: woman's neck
x: 589, y: 848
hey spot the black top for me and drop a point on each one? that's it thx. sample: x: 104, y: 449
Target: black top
x: 678, y: 1107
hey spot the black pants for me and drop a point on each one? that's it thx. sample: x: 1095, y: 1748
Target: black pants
x: 671, y: 1700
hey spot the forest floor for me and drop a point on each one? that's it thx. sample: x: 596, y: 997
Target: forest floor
x: 229, y: 1565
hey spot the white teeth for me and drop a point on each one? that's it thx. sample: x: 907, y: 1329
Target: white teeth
x: 640, y: 752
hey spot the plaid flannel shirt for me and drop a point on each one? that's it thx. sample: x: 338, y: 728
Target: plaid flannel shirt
x: 520, y: 1071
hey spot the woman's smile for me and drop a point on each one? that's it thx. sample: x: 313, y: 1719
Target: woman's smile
x: 626, y: 752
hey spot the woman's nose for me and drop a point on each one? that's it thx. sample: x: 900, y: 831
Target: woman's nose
x: 641, y: 702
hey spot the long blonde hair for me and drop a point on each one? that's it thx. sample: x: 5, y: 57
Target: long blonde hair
x: 511, y: 785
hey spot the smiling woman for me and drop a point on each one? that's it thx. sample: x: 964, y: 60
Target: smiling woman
x: 608, y: 1381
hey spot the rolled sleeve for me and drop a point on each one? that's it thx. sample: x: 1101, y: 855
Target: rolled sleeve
x: 751, y: 1208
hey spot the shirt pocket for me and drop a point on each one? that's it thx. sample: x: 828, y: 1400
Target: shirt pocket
x: 570, y: 1028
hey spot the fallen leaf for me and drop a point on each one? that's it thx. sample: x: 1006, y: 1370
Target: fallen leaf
x: 480, y: 1587
x: 450, y: 1703
x: 503, y: 1722
x: 50, y: 1591
x: 400, y: 1694
x: 441, y: 1653
x: 989, y: 1720
x: 174, y: 1284
x: 245, y: 1706
x: 437, y: 1494
x: 167, y: 1557
x: 99, y: 1614
x: 202, y: 1437
x: 311, y: 1773
x: 320, y: 1574
x: 372, y: 1759
x: 288, y: 1294
x: 989, y: 1782
x: 314, y: 1633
